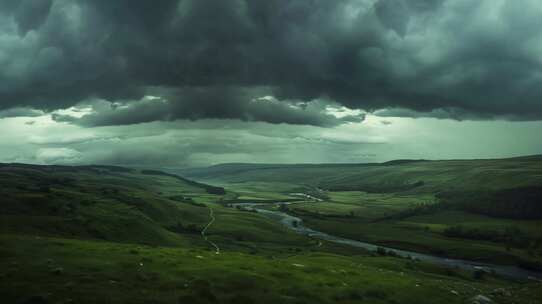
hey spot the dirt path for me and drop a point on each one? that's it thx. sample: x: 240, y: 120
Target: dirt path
x: 212, y: 216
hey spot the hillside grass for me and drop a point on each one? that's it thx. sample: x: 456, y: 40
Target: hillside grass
x: 411, y: 176
x: 89, y: 202
x: 423, y: 233
x: 362, y: 205
x: 103, y: 234
x: 58, y: 270
x: 128, y: 206
x: 379, y: 203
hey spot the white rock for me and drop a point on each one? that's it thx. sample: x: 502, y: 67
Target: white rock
x: 481, y: 299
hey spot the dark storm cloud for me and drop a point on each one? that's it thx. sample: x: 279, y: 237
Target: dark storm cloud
x: 480, y: 58
x: 199, y: 103
x: 31, y: 14
x: 453, y: 113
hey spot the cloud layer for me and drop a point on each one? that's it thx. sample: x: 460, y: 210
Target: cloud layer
x: 218, y: 59
x: 210, y: 141
x: 220, y: 103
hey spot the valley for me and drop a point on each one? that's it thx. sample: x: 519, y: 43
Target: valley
x: 261, y: 234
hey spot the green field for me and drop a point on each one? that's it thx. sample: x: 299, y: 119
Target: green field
x: 66, y: 270
x: 380, y: 203
x: 102, y: 234
x: 362, y: 205
x: 364, y: 217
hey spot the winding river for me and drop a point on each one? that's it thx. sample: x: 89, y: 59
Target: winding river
x: 296, y: 224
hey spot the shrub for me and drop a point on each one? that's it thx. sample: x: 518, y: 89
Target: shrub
x: 511, y: 236
x: 517, y: 203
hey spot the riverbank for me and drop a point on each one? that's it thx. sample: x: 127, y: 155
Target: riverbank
x: 296, y: 224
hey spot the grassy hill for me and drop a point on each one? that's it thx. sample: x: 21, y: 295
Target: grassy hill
x: 122, y: 205
x: 106, y: 234
x: 489, y: 210
x: 58, y: 270
x: 501, y: 187
x: 416, y: 176
x: 100, y: 202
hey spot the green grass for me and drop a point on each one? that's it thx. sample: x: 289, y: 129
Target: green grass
x: 412, y: 234
x: 98, y: 234
x: 256, y: 191
x: 451, y: 218
x: 86, y: 202
x: 388, y: 177
x: 128, y: 207
x: 362, y: 205
x: 252, y: 231
x: 362, y: 201
x: 357, y: 215
x: 60, y: 270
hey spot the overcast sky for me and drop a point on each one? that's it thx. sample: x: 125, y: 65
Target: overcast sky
x: 197, y: 82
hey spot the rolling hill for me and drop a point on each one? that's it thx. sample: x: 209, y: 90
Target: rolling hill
x: 107, y: 234
x: 101, y: 202
x: 416, y: 176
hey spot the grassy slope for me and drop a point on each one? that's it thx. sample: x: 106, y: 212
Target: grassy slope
x: 57, y: 270
x: 93, y: 202
x: 83, y: 233
x: 436, y: 175
x: 124, y: 206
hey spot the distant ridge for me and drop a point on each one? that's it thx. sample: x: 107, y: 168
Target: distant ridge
x: 390, y: 162
x: 237, y: 168
x: 116, y: 169
x: 403, y: 175
x: 210, y: 189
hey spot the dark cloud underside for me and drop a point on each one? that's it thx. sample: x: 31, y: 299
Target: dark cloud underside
x: 212, y: 59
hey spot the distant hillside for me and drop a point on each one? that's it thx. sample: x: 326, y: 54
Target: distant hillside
x: 101, y: 202
x: 208, y: 188
x: 402, y: 175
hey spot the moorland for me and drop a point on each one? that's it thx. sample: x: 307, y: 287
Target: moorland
x: 109, y: 234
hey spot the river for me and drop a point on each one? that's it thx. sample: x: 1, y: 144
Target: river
x: 296, y: 224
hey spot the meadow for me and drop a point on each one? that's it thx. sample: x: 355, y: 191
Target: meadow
x: 103, y: 234
x: 484, y: 210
